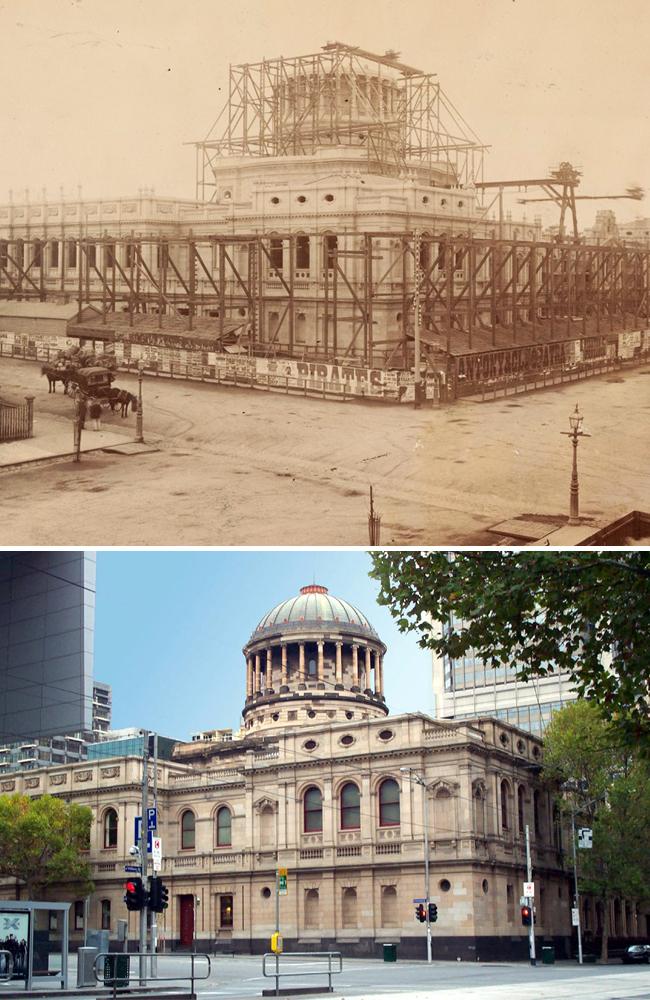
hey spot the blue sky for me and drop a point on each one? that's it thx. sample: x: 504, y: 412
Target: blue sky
x: 170, y: 627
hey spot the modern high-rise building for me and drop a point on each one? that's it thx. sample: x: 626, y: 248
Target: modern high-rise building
x: 467, y: 687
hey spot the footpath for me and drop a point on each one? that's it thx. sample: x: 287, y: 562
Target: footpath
x: 53, y: 440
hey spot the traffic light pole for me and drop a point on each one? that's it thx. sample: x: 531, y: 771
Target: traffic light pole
x: 575, y: 883
x: 144, y: 855
x: 529, y: 875
x: 154, y: 915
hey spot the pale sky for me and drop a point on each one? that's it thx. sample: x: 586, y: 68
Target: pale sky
x: 104, y: 93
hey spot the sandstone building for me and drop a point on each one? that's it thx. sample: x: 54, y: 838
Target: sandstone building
x: 317, y: 781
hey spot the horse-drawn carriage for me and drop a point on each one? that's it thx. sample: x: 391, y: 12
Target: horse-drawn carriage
x: 92, y: 382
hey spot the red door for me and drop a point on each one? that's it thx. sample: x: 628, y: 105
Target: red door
x: 187, y: 921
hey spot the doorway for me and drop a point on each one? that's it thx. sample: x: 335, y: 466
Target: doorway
x: 187, y: 921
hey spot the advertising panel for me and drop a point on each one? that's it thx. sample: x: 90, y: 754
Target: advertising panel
x: 14, y: 938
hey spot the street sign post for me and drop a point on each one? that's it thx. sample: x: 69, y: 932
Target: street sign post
x: 156, y: 853
x: 585, y: 838
x: 282, y: 882
x: 575, y: 917
x: 529, y: 890
x: 133, y: 868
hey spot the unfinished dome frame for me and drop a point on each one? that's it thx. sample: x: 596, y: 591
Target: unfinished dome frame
x: 341, y: 96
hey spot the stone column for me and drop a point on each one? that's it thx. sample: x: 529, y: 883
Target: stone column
x: 249, y: 677
x: 379, y: 673
x: 257, y: 673
x: 355, y: 665
x: 283, y: 679
x: 339, y: 663
x: 269, y: 668
x: 301, y: 663
x: 367, y: 666
x: 321, y: 661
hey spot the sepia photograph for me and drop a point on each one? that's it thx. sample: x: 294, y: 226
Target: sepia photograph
x: 324, y: 275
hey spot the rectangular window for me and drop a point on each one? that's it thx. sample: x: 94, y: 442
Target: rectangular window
x: 510, y: 903
x: 38, y: 253
x: 91, y: 254
x: 79, y: 915
x: 4, y: 253
x: 109, y: 250
x: 72, y: 253
x: 106, y: 914
x: 225, y: 912
x: 54, y: 253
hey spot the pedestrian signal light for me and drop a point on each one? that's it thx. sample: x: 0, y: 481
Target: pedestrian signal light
x: 526, y: 916
x: 433, y: 913
x: 135, y: 896
x: 420, y: 913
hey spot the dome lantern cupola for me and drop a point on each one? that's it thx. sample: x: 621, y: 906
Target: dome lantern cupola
x: 313, y: 658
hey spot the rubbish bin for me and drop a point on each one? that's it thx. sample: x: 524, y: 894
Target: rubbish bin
x: 548, y: 954
x: 116, y: 971
x: 390, y: 953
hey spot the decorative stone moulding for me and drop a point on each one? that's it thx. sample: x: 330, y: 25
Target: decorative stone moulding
x: 110, y: 772
x: 81, y: 776
x: 58, y: 779
x: 7, y: 786
x: 32, y: 782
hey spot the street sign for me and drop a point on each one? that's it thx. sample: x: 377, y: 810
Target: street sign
x: 138, y: 830
x: 152, y: 819
x: 282, y: 882
x: 529, y: 889
x: 419, y: 900
x: 585, y: 837
x: 133, y: 868
x: 156, y: 853
x: 575, y: 920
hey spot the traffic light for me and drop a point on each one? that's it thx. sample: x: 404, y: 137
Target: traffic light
x: 433, y: 913
x: 158, y: 895
x: 526, y: 916
x: 135, y: 896
x: 420, y: 913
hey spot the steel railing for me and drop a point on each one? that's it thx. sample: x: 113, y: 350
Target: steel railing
x: 277, y: 972
x: 123, y: 978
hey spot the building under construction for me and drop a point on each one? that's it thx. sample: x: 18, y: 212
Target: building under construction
x: 337, y: 222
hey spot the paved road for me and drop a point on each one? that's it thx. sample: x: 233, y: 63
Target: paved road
x: 238, y: 467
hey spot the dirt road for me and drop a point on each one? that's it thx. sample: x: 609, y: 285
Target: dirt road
x: 240, y: 467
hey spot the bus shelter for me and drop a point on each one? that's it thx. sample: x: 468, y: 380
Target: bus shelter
x: 32, y: 933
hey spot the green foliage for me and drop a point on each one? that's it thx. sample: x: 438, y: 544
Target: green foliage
x: 607, y: 787
x: 586, y: 613
x: 41, y: 841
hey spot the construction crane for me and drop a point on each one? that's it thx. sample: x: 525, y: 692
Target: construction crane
x: 559, y: 187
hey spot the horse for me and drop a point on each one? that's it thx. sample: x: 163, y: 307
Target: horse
x: 55, y: 375
x: 123, y: 398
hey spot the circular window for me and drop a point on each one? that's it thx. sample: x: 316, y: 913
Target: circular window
x: 425, y: 199
x: 329, y: 197
x: 266, y: 892
x: 227, y: 194
x: 275, y: 716
x: 460, y: 204
x: 485, y: 885
x: 242, y: 312
x: 445, y: 885
x: 349, y: 715
x: 301, y: 198
x: 275, y: 201
x: 443, y: 201
x: 521, y: 746
x: 535, y: 751
x: 311, y: 714
x: 346, y: 740
x: 386, y: 734
x: 504, y: 739
x: 310, y: 745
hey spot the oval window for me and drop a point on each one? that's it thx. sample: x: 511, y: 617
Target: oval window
x: 346, y: 740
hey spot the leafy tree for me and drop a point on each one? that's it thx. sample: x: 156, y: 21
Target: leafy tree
x: 41, y: 841
x: 607, y: 787
x: 586, y: 613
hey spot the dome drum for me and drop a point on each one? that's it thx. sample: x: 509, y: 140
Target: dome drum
x: 313, y: 650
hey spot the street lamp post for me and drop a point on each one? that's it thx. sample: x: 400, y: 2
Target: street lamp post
x: 138, y: 419
x: 414, y: 776
x: 575, y: 422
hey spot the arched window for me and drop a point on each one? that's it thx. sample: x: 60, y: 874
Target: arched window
x: 302, y: 252
x: 313, y: 810
x: 389, y: 916
x: 349, y: 908
x: 276, y: 253
x: 312, y: 916
x: 389, y: 803
x: 537, y: 813
x: 331, y: 247
x: 267, y: 828
x: 110, y: 828
x: 505, y: 819
x: 188, y: 831
x: 224, y: 827
x: 350, y: 807
x: 520, y: 808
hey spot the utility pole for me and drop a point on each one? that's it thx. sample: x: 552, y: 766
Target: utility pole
x: 427, y: 883
x: 575, y: 883
x: 144, y: 855
x: 529, y: 876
